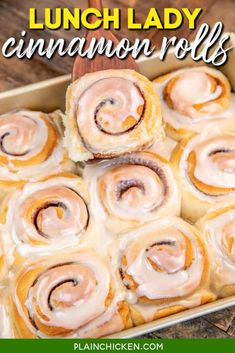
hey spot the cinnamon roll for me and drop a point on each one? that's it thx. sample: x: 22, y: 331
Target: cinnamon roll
x: 130, y: 190
x: 196, y: 98
x: 110, y: 113
x: 46, y: 217
x: 31, y: 147
x: 218, y: 230
x: 163, y: 267
x: 205, y: 166
x: 60, y: 296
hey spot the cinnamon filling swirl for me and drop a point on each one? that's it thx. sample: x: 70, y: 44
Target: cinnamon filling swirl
x: 4, y: 150
x: 25, y: 140
x: 30, y: 147
x: 164, y: 261
x: 211, y: 165
x: 47, y: 216
x: 135, y: 186
x: 62, y: 213
x: 120, y: 106
x: 53, y: 218
x: 110, y: 113
x: 56, y: 299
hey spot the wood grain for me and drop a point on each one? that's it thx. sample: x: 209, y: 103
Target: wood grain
x: 15, y: 72
x: 83, y: 65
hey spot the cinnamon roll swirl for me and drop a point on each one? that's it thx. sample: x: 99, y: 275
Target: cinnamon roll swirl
x: 205, y: 165
x: 218, y: 230
x: 31, y: 147
x: 164, y: 268
x: 60, y: 296
x: 196, y: 98
x: 130, y: 190
x: 46, y: 217
x: 110, y: 113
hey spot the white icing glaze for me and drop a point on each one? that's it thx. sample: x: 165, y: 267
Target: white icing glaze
x: 110, y: 112
x: 215, y: 164
x: 25, y: 134
x: 76, y: 288
x: 192, y: 87
x: 164, y: 147
x: 110, y: 321
x: 57, y: 228
x: 164, y: 242
x: 219, y: 234
x: 150, y: 311
x: 121, y: 99
x: 125, y: 194
x: 5, y: 327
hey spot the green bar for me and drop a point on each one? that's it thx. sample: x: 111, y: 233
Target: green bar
x: 117, y: 345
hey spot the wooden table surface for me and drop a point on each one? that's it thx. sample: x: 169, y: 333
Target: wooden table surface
x: 15, y: 73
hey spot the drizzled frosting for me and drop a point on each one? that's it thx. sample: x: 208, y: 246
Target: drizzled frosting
x: 109, y: 113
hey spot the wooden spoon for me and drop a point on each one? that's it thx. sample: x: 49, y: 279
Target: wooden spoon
x: 84, y: 65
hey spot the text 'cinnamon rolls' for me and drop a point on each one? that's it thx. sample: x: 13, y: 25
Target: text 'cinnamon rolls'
x: 47, y: 216
x: 218, y: 230
x: 196, y: 98
x: 60, y: 296
x: 132, y: 189
x: 109, y: 113
x: 205, y: 165
x: 164, y: 267
x: 31, y: 147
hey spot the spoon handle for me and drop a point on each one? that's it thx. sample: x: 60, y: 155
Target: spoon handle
x: 96, y: 4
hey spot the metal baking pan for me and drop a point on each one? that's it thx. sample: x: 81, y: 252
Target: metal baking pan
x: 50, y: 95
